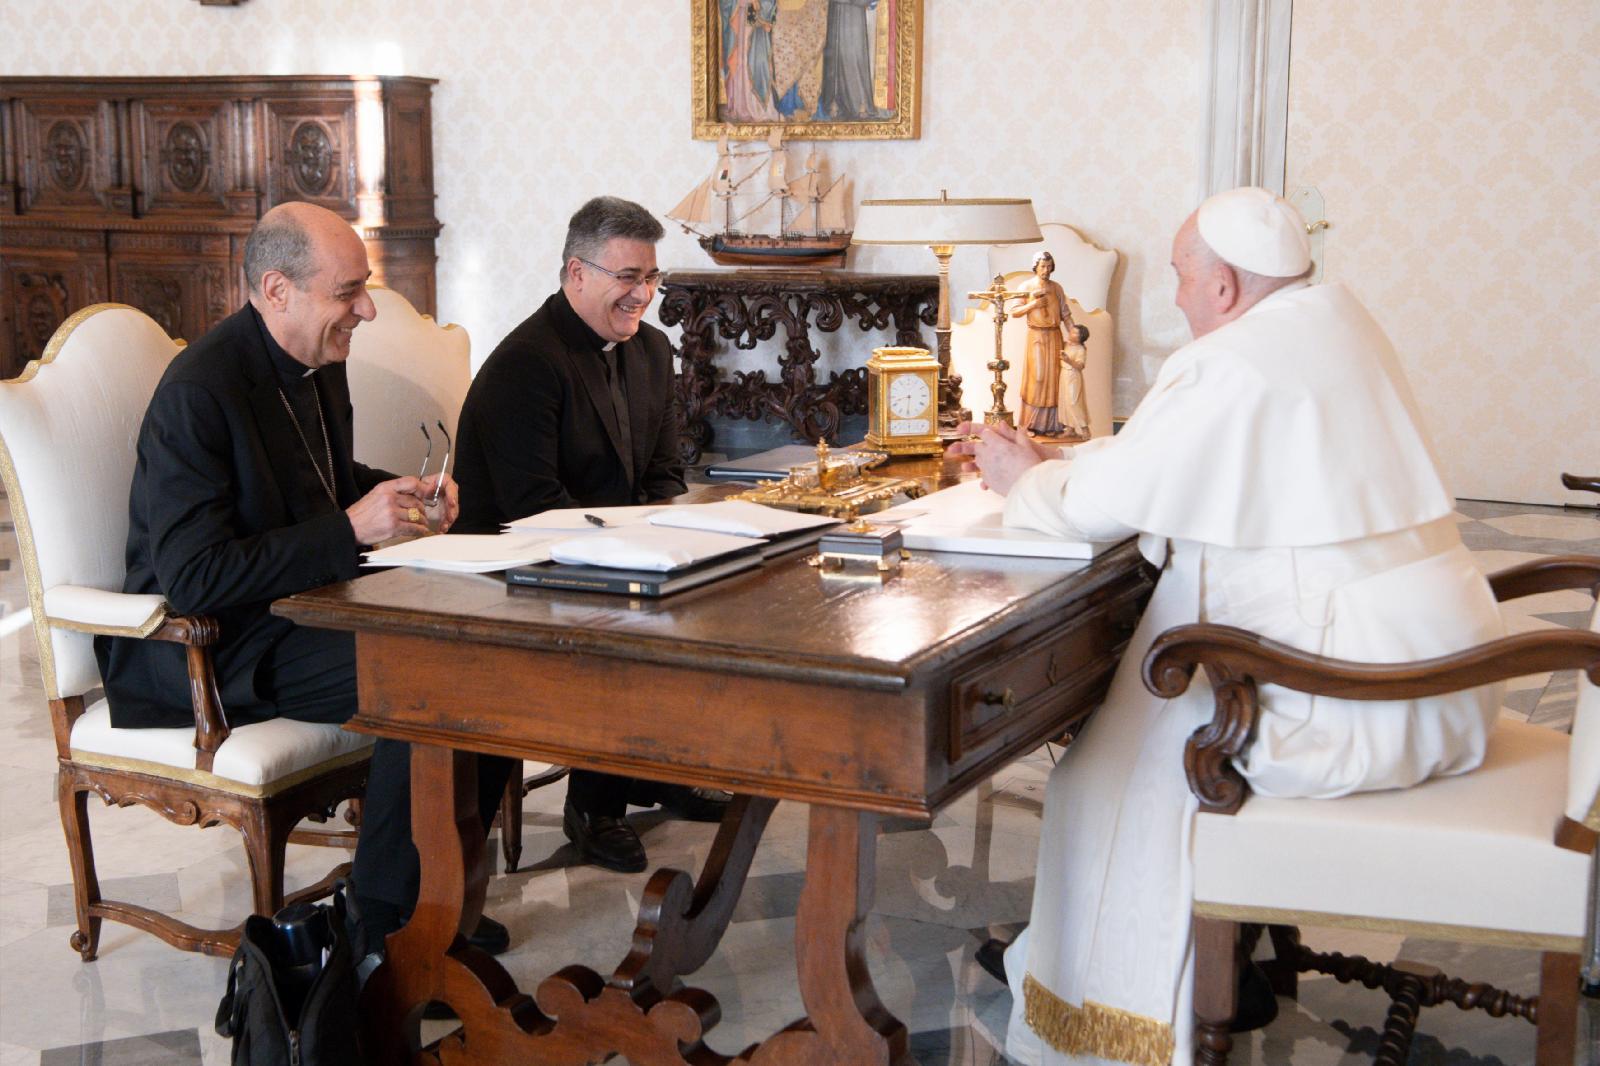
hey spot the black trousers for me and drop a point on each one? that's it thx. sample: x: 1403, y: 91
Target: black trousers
x: 386, y: 865
x: 604, y: 794
x: 311, y: 676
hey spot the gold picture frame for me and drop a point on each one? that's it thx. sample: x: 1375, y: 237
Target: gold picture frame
x: 797, y: 57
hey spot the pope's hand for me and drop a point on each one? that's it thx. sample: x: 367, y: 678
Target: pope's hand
x: 392, y: 509
x: 1003, y: 454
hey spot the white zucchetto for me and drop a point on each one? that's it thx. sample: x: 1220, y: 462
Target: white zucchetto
x: 1255, y: 230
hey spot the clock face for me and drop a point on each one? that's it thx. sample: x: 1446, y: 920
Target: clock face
x: 908, y: 395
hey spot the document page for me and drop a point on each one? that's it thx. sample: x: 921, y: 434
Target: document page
x: 466, y: 553
x: 967, y: 518
x: 741, y: 518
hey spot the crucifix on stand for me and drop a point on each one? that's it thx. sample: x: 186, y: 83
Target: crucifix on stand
x: 996, y: 296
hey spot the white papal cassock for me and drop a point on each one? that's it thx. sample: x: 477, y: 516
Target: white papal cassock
x: 1279, y: 472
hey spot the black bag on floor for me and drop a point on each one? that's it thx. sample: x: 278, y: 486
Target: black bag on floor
x: 291, y: 998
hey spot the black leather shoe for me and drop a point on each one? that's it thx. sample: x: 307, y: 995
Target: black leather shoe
x: 604, y: 840
x: 991, y: 955
x: 692, y: 804
x: 490, y: 936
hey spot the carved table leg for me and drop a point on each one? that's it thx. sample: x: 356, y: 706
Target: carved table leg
x: 845, y: 1023
x: 425, y: 960
x: 799, y: 400
x: 680, y: 922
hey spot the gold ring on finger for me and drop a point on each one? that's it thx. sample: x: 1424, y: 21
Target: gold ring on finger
x: 413, y: 515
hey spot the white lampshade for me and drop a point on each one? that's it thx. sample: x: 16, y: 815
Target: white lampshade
x: 946, y: 221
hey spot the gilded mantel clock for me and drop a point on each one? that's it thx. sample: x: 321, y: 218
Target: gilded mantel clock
x: 903, y: 402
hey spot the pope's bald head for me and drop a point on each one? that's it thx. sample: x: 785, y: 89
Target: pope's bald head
x: 1212, y: 291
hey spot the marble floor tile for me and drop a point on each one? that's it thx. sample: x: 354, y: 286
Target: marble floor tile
x: 1577, y: 528
x: 181, y: 1047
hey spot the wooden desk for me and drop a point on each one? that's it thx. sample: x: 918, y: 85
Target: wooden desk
x: 859, y: 696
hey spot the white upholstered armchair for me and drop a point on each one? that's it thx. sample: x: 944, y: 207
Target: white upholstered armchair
x: 68, y: 430
x: 1502, y: 855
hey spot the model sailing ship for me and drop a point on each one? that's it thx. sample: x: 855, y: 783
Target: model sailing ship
x: 811, y: 215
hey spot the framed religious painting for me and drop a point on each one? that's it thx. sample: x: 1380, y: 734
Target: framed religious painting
x: 814, y: 69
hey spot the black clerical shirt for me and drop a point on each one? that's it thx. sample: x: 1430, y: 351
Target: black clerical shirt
x: 297, y: 382
x: 610, y: 361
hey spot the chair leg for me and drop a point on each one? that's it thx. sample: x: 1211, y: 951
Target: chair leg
x: 511, y: 822
x: 74, y: 804
x: 1216, y: 985
x: 265, y: 842
x: 1558, y: 1009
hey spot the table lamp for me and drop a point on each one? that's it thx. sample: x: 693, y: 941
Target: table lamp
x: 941, y: 224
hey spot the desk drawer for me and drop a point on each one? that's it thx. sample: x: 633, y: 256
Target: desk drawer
x: 1035, y: 679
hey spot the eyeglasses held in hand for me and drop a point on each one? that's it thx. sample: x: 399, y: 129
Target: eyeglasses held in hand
x: 449, y: 445
x: 630, y: 278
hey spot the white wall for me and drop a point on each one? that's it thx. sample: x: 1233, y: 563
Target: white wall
x: 1460, y: 164
x: 1090, y: 108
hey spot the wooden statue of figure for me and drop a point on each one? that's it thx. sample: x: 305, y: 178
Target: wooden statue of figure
x: 1055, y: 350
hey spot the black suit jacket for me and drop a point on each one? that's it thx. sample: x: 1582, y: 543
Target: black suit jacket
x: 213, y: 529
x: 538, y: 429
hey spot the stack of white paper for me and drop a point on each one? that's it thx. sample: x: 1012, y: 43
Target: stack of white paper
x: 581, y: 519
x: 646, y: 547
x: 967, y: 518
x: 465, y: 553
x: 740, y: 518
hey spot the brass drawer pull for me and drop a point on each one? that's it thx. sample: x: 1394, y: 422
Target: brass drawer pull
x: 1006, y: 699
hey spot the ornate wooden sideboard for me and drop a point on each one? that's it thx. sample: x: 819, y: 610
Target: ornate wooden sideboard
x: 748, y: 306
x: 141, y: 190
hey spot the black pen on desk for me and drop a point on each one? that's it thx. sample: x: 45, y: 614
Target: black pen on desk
x: 595, y: 520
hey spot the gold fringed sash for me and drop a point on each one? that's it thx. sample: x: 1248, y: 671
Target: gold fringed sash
x: 1095, y: 1029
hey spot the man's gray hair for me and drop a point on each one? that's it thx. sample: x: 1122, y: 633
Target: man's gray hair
x: 603, y: 219
x: 280, y: 244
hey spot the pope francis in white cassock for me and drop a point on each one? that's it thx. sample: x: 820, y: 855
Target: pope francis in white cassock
x: 1279, y: 473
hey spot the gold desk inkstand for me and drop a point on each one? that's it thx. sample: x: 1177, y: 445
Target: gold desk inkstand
x: 837, y: 485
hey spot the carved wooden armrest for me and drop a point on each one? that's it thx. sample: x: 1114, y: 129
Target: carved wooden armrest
x: 1580, y: 483
x: 1237, y: 661
x: 197, y: 633
x: 1550, y: 574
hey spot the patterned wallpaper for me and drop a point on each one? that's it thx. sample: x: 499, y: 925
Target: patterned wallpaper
x: 1090, y: 108
x: 1456, y: 148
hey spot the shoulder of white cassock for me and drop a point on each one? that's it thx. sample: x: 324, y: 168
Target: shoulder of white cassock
x: 1291, y: 426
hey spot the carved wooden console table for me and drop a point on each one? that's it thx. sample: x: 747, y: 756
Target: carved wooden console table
x: 748, y: 306
x: 141, y: 190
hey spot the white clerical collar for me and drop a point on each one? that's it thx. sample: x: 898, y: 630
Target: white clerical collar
x: 608, y: 345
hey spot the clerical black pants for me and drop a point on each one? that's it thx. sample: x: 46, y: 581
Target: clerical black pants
x: 311, y: 676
